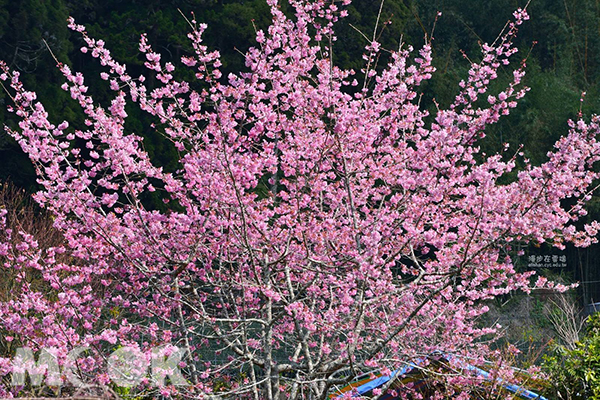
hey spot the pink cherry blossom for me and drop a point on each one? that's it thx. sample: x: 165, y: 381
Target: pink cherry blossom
x: 314, y: 230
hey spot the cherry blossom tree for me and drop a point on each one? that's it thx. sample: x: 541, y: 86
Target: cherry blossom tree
x: 322, y: 222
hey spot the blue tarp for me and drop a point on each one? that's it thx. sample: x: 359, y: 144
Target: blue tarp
x: 382, y: 380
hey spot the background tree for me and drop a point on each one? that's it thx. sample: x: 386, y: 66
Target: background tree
x: 24, y: 26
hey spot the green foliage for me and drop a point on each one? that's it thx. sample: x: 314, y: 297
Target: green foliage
x: 575, y: 374
x: 538, y: 315
x: 357, y: 30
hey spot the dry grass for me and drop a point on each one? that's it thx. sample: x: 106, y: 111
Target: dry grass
x: 23, y: 215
